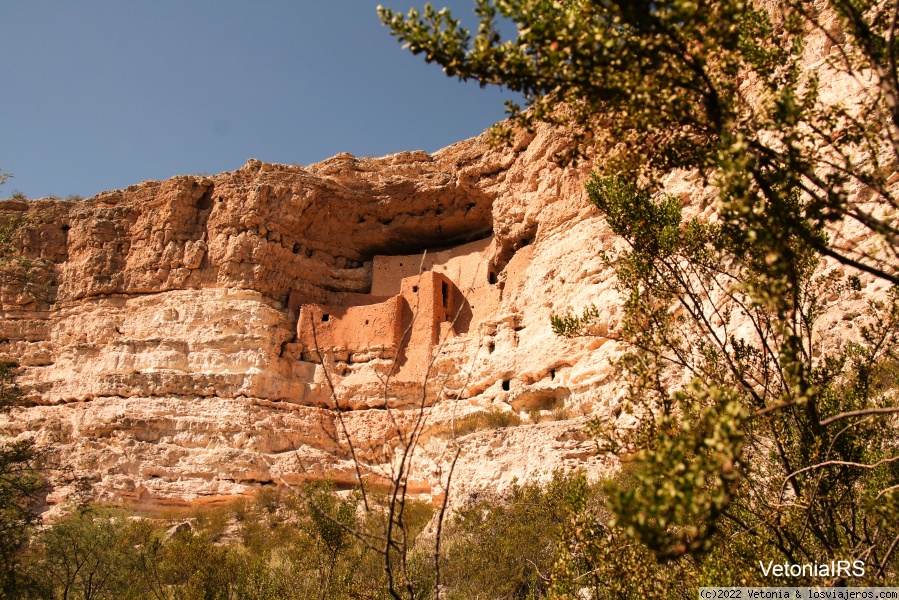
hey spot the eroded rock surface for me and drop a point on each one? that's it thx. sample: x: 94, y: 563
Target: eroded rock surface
x: 171, y: 356
x: 195, y: 338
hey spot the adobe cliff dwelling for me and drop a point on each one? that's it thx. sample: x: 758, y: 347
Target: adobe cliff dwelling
x: 417, y: 304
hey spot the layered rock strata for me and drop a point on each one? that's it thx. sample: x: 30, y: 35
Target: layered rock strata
x: 170, y: 356
x: 194, y: 339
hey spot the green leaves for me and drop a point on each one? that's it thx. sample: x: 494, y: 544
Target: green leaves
x: 685, y: 478
x: 507, y: 545
x: 792, y: 112
x: 773, y: 438
x: 20, y: 484
x: 10, y: 393
x: 447, y: 40
x: 571, y: 325
x: 333, y: 518
x: 651, y: 228
x: 636, y: 63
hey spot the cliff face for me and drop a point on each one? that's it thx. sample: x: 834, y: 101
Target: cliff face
x: 171, y: 357
x: 196, y: 337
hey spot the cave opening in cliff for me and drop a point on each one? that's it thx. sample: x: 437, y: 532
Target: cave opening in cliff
x: 412, y: 242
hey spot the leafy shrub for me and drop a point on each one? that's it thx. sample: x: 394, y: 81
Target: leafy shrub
x: 572, y: 325
x: 20, y: 487
x: 284, y: 547
x: 507, y: 546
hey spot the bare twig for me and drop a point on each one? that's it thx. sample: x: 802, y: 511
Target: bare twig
x: 836, y: 463
x: 886, y: 557
x: 859, y: 413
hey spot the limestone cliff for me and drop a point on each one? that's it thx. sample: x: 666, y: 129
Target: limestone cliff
x: 167, y: 358
x: 191, y: 330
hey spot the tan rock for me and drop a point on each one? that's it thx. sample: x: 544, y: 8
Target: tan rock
x: 173, y: 360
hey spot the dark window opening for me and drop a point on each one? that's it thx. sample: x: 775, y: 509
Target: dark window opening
x: 326, y: 317
x: 366, y: 321
x: 414, y: 289
x: 65, y: 227
x: 444, y: 290
x: 491, y: 347
x: 491, y: 277
x: 506, y: 385
x: 552, y: 374
x: 296, y: 248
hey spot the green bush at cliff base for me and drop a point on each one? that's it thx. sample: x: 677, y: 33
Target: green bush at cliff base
x: 549, y: 540
x: 20, y: 486
x: 283, y: 545
x: 505, y: 546
x: 279, y: 546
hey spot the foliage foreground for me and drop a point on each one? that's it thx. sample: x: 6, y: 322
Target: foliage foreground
x: 283, y: 545
x: 536, y: 541
x: 758, y: 436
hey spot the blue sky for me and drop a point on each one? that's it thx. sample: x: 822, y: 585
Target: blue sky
x: 101, y: 94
